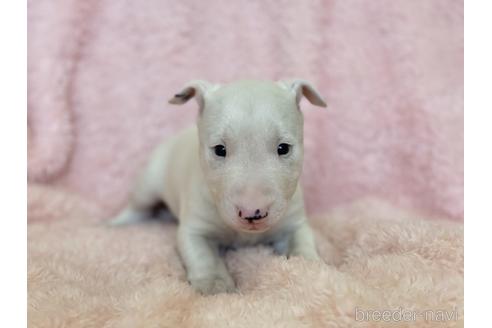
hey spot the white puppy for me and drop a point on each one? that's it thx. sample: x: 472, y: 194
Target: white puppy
x: 234, y: 180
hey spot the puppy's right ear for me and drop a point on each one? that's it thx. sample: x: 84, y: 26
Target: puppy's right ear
x: 195, y: 88
x: 303, y: 88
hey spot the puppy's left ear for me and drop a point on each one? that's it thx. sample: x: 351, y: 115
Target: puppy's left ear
x: 302, y: 88
x: 197, y: 89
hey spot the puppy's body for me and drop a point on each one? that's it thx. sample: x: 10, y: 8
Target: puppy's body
x: 214, y: 197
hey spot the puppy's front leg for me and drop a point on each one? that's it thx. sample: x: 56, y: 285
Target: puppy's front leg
x: 206, y: 270
x: 303, y: 244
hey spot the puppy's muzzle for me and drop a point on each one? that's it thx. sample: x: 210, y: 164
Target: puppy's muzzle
x: 252, y: 215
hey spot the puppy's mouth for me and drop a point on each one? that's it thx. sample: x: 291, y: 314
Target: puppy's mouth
x: 257, y: 223
x: 257, y: 217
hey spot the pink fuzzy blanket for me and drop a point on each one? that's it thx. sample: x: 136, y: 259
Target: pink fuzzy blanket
x: 378, y: 258
x: 99, y: 75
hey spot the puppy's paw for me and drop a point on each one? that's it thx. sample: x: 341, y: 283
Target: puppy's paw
x: 215, y: 284
x: 280, y: 247
x: 311, y: 255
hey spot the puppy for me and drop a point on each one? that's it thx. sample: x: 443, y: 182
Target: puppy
x: 233, y: 179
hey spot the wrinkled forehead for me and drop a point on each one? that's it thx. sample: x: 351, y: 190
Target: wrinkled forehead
x: 251, y: 100
x: 252, y: 106
x: 249, y: 95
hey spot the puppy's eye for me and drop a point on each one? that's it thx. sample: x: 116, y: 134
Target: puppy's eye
x: 220, y: 150
x: 283, y: 149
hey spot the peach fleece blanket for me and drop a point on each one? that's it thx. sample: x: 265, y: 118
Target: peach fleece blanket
x: 84, y: 274
x: 99, y: 75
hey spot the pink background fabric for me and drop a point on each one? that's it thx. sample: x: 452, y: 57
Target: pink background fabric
x: 100, y: 74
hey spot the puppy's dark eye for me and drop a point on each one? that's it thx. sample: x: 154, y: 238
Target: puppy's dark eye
x: 283, y: 149
x: 220, y: 150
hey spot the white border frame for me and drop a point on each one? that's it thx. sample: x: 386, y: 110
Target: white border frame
x: 478, y: 163
x: 13, y: 176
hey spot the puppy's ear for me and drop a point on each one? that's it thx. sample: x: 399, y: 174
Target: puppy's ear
x: 303, y: 88
x: 195, y: 88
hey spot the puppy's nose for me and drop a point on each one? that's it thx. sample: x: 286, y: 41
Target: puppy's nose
x: 252, y: 214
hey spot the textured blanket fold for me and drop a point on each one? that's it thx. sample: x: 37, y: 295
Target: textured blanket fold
x: 100, y: 74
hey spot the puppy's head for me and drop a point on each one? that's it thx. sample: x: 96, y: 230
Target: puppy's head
x: 251, y: 146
